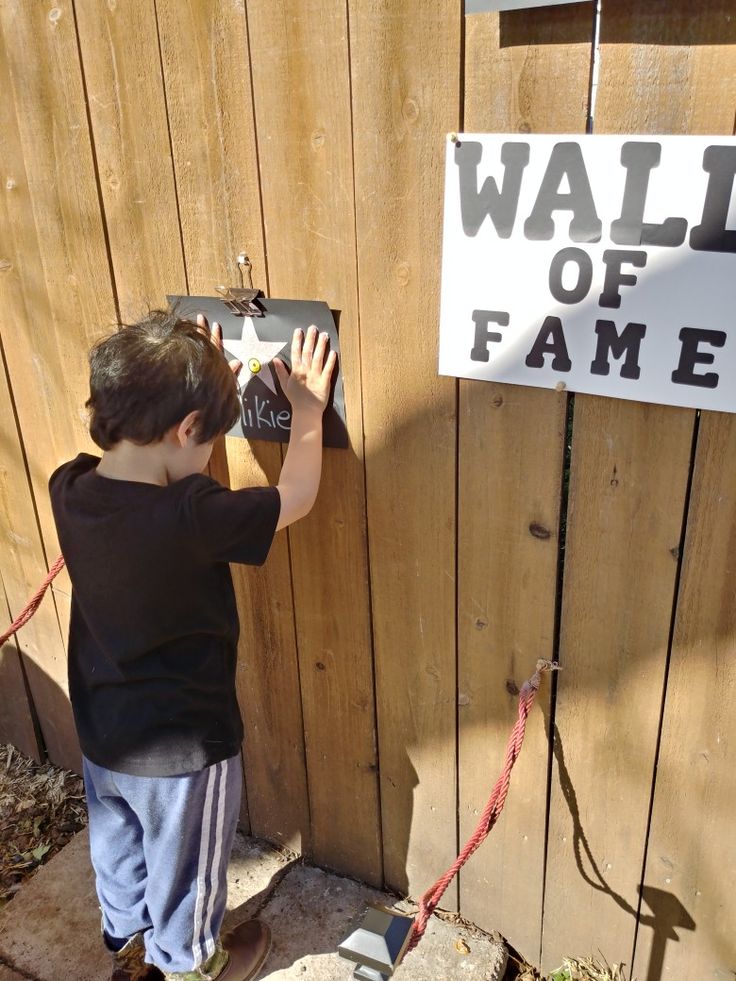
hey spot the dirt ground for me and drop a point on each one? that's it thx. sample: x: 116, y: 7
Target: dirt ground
x: 41, y: 808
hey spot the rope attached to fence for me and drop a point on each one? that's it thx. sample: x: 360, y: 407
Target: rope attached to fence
x: 25, y: 616
x: 493, y: 808
x: 430, y: 899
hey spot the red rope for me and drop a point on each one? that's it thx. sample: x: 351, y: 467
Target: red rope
x: 25, y: 616
x: 493, y: 808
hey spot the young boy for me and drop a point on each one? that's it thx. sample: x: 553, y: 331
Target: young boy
x: 147, y: 539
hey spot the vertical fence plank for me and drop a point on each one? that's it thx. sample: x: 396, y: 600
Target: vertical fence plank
x: 525, y: 71
x: 690, y: 853
x: 689, y: 907
x: 16, y: 511
x: 122, y: 67
x: 301, y: 83
x: 629, y: 476
x: 23, y: 560
x: 628, y: 480
x: 54, y: 300
x: 209, y: 101
x: 405, y: 62
x: 208, y: 91
x: 16, y: 719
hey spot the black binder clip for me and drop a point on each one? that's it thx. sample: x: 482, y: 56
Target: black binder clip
x: 241, y: 302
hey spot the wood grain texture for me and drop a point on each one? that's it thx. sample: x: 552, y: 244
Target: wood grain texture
x: 619, y: 595
x: 122, y: 67
x: 405, y: 62
x: 689, y: 908
x: 16, y: 719
x: 690, y: 851
x: 628, y: 480
x: 209, y: 103
x: 301, y: 83
x: 667, y: 67
x: 511, y: 449
x: 528, y: 71
x: 23, y: 563
x: 56, y: 293
x: 21, y: 558
x: 61, y: 291
x: 206, y: 68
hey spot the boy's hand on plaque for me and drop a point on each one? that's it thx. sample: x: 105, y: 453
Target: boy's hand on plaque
x: 307, y: 385
x: 215, y: 335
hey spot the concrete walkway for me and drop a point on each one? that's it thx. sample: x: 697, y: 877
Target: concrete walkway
x: 50, y: 930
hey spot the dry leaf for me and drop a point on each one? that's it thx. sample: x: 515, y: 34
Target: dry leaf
x: 33, y: 797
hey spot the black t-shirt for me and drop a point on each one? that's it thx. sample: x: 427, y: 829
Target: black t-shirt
x: 154, y: 625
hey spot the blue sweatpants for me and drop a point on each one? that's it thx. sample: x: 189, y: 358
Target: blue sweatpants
x: 160, y: 849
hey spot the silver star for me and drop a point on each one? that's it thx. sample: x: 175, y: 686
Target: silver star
x: 255, y: 354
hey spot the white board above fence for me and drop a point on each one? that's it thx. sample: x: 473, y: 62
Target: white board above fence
x: 607, y: 263
x: 481, y: 6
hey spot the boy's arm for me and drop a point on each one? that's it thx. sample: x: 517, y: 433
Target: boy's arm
x: 307, y: 387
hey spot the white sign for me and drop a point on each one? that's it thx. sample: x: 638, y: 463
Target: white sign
x: 481, y: 6
x: 604, y: 262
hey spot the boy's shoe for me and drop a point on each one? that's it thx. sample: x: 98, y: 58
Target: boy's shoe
x: 239, y: 956
x: 128, y: 963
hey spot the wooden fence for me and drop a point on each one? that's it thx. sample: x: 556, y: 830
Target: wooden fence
x: 143, y: 145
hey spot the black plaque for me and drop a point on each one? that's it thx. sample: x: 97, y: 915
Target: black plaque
x: 265, y: 410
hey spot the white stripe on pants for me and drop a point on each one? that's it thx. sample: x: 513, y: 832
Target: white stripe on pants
x: 160, y: 848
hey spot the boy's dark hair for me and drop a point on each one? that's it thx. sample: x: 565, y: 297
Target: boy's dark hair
x: 148, y: 376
